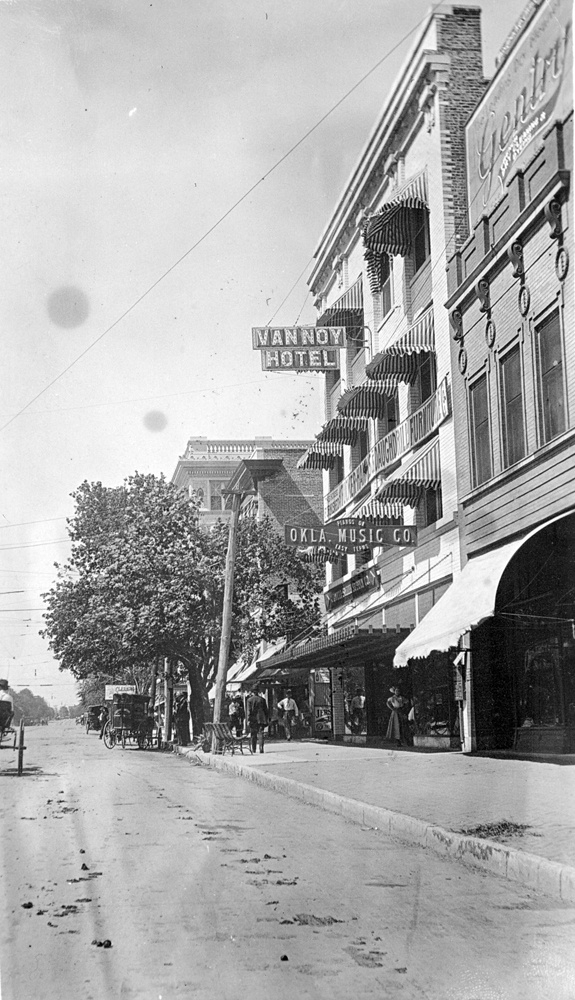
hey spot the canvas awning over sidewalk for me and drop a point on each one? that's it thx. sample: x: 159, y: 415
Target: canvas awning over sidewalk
x: 469, y: 601
x: 349, y: 646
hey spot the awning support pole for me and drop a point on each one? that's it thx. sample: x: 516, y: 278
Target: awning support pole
x: 469, y: 735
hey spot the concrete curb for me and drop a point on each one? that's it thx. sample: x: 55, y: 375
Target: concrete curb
x: 530, y: 870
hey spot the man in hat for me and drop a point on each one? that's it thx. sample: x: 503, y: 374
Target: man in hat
x: 257, y: 719
x: 6, y: 699
x: 288, y: 707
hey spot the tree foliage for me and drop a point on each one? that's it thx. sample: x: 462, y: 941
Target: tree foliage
x: 30, y: 707
x: 145, y: 581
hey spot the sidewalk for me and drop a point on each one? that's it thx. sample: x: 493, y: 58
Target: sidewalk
x: 431, y: 798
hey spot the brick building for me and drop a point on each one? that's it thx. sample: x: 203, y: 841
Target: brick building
x: 388, y: 446
x: 207, y: 466
x: 511, y: 612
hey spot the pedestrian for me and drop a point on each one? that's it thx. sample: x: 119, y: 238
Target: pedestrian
x: 103, y: 718
x: 357, y: 711
x: 396, y: 728
x: 237, y: 716
x: 182, y: 719
x: 7, y: 705
x: 257, y: 719
x: 288, y: 713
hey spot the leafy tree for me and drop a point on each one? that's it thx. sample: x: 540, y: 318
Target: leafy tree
x: 30, y: 707
x: 145, y: 581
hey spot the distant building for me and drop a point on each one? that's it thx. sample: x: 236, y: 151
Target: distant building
x: 207, y: 467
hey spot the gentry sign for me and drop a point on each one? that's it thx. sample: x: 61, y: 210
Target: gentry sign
x: 351, y: 535
x: 531, y: 90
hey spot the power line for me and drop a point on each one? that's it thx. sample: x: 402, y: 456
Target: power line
x: 222, y: 218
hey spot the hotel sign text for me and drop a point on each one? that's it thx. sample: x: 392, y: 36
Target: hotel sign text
x: 299, y: 348
x: 389, y: 449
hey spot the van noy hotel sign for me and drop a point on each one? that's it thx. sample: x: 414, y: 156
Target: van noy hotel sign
x: 298, y: 348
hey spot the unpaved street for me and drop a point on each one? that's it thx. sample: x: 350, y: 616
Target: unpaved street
x: 207, y: 886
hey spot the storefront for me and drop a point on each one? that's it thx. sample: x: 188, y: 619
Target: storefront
x: 507, y: 627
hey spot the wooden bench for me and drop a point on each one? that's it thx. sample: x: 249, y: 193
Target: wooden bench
x: 222, y: 739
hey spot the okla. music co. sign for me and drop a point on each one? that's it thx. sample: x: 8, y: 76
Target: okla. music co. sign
x: 350, y: 535
x: 298, y: 348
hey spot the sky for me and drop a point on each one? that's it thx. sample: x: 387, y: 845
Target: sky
x: 130, y: 282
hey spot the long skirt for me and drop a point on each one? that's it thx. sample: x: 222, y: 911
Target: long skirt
x: 397, y: 727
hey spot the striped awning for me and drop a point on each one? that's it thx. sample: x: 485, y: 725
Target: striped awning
x: 322, y: 455
x: 342, y: 430
x: 389, y: 230
x: 347, y: 310
x: 421, y: 472
x: 400, y: 357
x: 367, y: 400
x: 378, y: 511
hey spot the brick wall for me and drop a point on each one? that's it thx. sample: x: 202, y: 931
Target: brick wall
x: 292, y: 495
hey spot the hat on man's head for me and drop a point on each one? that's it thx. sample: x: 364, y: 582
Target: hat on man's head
x: 3, y: 682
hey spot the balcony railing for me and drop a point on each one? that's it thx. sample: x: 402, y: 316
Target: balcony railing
x: 390, y: 449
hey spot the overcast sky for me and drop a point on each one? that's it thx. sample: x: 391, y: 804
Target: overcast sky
x: 129, y: 129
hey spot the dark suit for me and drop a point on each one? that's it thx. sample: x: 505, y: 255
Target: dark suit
x: 257, y: 710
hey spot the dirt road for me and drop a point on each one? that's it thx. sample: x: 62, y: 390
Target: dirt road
x: 207, y: 886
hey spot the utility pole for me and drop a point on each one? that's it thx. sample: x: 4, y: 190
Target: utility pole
x: 226, y: 635
x: 168, y: 692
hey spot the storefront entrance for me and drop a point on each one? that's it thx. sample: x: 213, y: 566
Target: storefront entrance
x: 524, y: 657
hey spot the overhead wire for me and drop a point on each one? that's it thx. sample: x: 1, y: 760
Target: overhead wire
x: 222, y: 218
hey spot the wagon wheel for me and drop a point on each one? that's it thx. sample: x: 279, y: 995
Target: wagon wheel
x: 109, y: 736
x: 143, y: 736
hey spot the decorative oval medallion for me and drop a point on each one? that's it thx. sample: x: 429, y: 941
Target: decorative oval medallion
x: 524, y: 300
x: 562, y: 263
x: 462, y: 361
x: 490, y: 333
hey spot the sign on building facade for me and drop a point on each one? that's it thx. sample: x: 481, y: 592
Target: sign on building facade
x: 299, y: 348
x: 535, y: 87
x: 350, y: 535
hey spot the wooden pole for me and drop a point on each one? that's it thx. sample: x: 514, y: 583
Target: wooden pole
x: 168, y: 695
x: 226, y: 635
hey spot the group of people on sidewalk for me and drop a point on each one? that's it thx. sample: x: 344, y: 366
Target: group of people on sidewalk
x: 258, y: 717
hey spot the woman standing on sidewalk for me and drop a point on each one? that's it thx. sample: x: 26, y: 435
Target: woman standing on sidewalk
x: 397, y: 726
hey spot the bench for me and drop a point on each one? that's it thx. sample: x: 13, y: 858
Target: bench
x: 221, y: 738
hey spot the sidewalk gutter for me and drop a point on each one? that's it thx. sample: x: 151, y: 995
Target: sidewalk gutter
x: 530, y: 870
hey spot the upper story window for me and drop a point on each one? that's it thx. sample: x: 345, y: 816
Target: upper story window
x: 479, y: 431
x: 384, y: 295
x: 550, y: 377
x: 426, y: 376
x: 420, y: 237
x: 511, y: 391
x: 216, y: 499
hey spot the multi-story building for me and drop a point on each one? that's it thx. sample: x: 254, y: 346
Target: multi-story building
x: 388, y: 446
x: 207, y: 466
x: 511, y: 611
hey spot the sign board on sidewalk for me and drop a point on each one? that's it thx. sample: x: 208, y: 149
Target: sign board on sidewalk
x: 351, y: 535
x: 112, y: 689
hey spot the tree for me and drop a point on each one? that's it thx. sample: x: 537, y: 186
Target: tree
x: 145, y: 580
x: 30, y: 707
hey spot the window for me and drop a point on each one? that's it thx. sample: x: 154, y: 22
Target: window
x: 420, y: 237
x: 479, y: 427
x: 550, y: 387
x: 389, y: 421
x: 363, y: 443
x: 511, y: 388
x: 427, y: 376
x: 385, y: 296
x: 433, y: 506
x: 216, y: 499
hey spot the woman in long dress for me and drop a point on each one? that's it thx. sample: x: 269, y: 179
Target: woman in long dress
x: 396, y: 727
